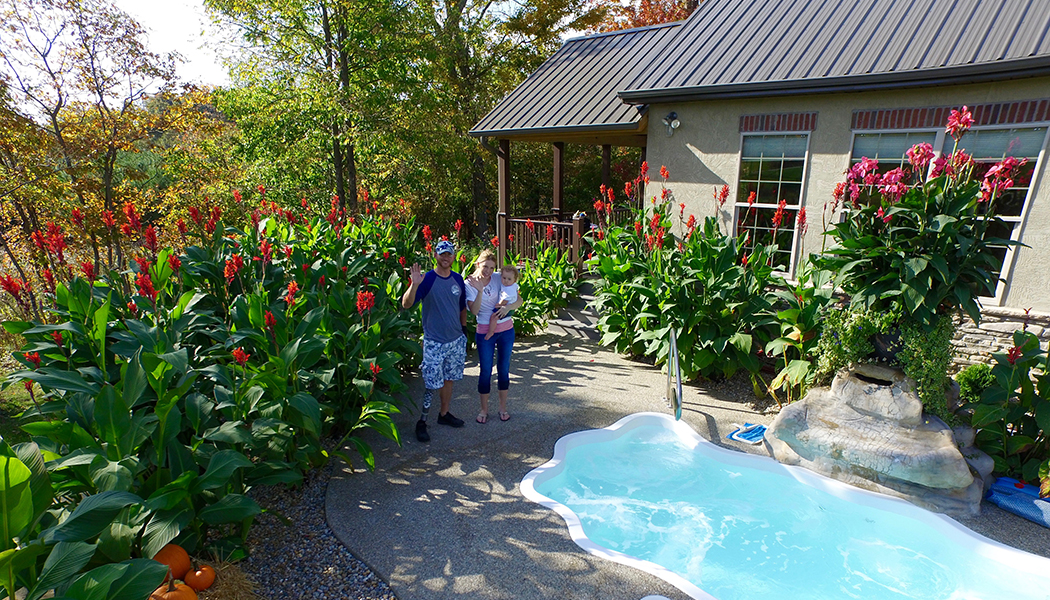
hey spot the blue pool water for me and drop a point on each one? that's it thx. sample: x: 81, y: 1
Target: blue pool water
x: 727, y: 525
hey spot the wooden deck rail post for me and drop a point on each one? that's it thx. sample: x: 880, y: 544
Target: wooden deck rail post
x: 577, y: 241
x: 559, y: 179
x: 503, y: 170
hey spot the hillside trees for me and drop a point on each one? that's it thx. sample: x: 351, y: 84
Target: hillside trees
x: 303, y: 83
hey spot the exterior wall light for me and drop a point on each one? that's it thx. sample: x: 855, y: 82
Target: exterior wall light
x: 672, y: 123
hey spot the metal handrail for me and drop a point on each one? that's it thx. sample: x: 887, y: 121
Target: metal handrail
x: 674, y: 379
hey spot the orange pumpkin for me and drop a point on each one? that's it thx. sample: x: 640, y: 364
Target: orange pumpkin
x: 176, y: 559
x: 173, y: 591
x: 200, y: 578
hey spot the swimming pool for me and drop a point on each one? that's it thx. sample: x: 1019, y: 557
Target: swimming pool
x: 649, y: 492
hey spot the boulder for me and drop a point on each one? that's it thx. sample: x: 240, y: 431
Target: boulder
x: 868, y: 430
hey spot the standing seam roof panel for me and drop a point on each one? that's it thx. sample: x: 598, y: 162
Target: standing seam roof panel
x: 791, y: 59
x: 757, y: 65
x: 882, y: 54
x: 927, y: 35
x: 576, y: 86
x: 735, y: 50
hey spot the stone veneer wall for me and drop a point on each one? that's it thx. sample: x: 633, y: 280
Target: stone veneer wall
x: 976, y: 343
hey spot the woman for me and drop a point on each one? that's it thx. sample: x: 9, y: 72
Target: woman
x: 483, y: 292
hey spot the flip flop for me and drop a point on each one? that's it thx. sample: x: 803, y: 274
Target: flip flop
x: 503, y: 416
x: 482, y: 418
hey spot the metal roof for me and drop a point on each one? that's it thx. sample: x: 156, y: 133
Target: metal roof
x: 574, y: 91
x: 743, y: 48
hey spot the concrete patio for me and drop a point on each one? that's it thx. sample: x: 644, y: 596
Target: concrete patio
x: 446, y: 519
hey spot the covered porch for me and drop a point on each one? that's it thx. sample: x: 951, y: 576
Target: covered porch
x: 570, y: 99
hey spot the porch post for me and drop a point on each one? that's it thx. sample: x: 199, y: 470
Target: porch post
x: 606, y: 159
x: 503, y: 157
x: 559, y: 179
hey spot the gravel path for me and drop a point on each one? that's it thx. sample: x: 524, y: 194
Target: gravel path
x: 304, y: 560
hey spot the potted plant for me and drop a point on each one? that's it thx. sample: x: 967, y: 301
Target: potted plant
x: 913, y: 249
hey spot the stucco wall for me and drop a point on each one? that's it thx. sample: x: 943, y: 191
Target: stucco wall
x: 704, y: 153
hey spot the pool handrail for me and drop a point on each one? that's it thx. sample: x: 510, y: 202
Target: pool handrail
x: 674, y: 379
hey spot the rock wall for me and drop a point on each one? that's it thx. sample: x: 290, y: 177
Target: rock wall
x: 976, y: 343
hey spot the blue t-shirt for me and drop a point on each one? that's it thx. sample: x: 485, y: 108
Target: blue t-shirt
x: 443, y: 298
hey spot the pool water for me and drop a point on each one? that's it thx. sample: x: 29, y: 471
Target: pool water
x: 650, y: 492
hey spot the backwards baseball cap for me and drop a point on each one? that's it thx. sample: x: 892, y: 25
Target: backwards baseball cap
x: 445, y: 246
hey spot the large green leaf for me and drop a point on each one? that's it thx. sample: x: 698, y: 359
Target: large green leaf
x: 65, y: 561
x: 16, y: 501
x: 91, y: 516
x: 222, y: 466
x: 113, y: 418
x: 128, y: 580
x: 135, y: 381
x: 64, y: 381
x: 307, y: 406
x: 231, y: 432
x: 40, y: 482
x: 232, y: 508
x: 163, y: 527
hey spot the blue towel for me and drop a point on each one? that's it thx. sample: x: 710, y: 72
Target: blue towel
x: 749, y: 433
x: 1022, y: 501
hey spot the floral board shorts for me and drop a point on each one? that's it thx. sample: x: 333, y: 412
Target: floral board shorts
x: 443, y: 362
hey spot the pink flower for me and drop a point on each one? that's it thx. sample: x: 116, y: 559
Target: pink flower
x: 959, y: 122
x: 892, y: 185
x: 882, y: 215
x: 919, y: 156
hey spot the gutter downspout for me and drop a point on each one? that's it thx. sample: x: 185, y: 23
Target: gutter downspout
x: 484, y: 141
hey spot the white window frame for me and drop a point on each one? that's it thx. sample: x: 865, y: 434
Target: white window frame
x: 1020, y: 220
x: 789, y: 275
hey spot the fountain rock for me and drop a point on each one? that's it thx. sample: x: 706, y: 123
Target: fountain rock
x: 869, y: 430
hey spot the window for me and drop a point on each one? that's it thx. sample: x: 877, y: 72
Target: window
x: 987, y: 147
x: 772, y: 167
x: 890, y: 149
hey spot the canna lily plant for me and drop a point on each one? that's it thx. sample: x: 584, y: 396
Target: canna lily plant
x: 916, y: 241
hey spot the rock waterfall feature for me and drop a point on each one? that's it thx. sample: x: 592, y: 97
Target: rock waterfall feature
x: 869, y: 430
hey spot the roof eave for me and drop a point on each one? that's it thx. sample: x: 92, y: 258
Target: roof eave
x: 983, y: 73
x: 567, y: 129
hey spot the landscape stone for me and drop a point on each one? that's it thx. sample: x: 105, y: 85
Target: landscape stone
x: 868, y: 430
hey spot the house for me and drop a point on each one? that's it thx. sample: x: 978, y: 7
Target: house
x: 780, y: 98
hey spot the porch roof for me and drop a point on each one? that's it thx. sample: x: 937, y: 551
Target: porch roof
x: 572, y: 96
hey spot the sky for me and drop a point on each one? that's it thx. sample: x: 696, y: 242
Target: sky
x: 179, y: 26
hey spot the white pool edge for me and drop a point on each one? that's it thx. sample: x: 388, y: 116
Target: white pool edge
x: 952, y: 529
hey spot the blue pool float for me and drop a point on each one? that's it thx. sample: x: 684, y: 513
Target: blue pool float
x: 1020, y: 499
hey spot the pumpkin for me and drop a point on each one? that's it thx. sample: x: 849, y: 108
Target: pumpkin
x: 200, y: 578
x: 176, y: 559
x: 173, y: 591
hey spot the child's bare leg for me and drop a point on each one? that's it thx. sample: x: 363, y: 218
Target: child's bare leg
x: 492, y: 325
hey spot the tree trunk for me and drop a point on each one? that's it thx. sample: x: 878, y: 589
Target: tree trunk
x: 350, y: 166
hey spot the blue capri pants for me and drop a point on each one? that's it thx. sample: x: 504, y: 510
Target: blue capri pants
x: 500, y: 346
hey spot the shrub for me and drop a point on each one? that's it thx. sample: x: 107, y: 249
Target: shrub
x: 973, y: 380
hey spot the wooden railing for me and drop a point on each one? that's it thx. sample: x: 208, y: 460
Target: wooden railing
x: 525, y: 234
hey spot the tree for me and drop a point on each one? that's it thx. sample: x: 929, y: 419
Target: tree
x: 621, y: 16
x: 319, y: 57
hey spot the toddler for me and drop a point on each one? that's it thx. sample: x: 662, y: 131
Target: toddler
x: 508, y: 294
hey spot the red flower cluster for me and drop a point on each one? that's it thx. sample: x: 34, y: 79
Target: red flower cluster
x: 195, y: 215
x: 88, y: 269
x: 271, y: 321
x: 664, y: 173
x: 999, y: 178
x: 721, y: 195
x: 13, y: 286
x: 145, y: 286
x: 1013, y: 354
x: 365, y: 302
x: 550, y: 232
x: 233, y: 266
x: 401, y: 260
x: 149, y: 239
x: 134, y: 222
x: 241, y: 356
x: 427, y: 234
x: 133, y: 308
x: 57, y: 336
x: 174, y: 263
x: 778, y: 217
x: 108, y: 220
x: 181, y: 225
x: 293, y: 287
x: 495, y: 241
x: 77, y: 217
x: 33, y: 357
x: 458, y: 225
x: 375, y: 370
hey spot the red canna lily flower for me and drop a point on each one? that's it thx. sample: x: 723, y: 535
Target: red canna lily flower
x: 241, y: 356
x: 13, y: 286
x: 108, y: 220
x: 293, y: 287
x: 57, y: 336
x: 49, y: 279
x: 233, y: 267
x: 365, y: 302
x: 427, y: 234
x: 77, y: 217
x: 271, y: 321
x: 88, y: 268
x: 133, y: 308
x: 133, y: 217
x: 145, y: 286
x: 195, y: 214
x: 149, y: 238
x: 33, y: 357
x: 495, y: 241
x: 1013, y: 354
x: 181, y: 225
x: 237, y: 196
x: 175, y: 263
x: 664, y: 172
x: 375, y: 370
x: 143, y: 264
x: 401, y: 260
x: 458, y: 225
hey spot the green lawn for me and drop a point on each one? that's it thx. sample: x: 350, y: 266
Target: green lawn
x: 13, y: 401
